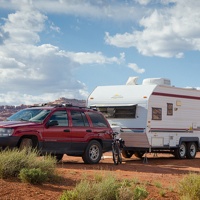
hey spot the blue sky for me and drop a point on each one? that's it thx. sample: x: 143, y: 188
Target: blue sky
x: 65, y: 48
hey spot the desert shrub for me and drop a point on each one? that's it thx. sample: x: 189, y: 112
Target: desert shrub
x: 162, y: 193
x: 13, y: 161
x: 125, y: 193
x: 139, y: 193
x: 102, y: 189
x: 158, y: 184
x: 189, y: 187
x: 46, y: 163
x: 33, y: 176
x: 107, y: 188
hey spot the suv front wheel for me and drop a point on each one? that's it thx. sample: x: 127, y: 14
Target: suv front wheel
x: 26, y: 143
x: 93, y: 153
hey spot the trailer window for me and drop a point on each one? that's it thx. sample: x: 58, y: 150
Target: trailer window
x: 118, y: 111
x: 169, y: 109
x: 156, y: 113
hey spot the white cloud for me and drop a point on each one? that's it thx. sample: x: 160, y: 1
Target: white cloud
x: 118, y: 10
x: 92, y: 58
x: 153, y: 2
x: 31, y: 72
x: 54, y: 27
x: 143, y: 2
x: 167, y: 32
x: 135, y: 68
x: 24, y: 26
x: 17, y: 98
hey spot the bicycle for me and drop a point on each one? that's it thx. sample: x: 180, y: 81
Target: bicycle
x: 117, y: 145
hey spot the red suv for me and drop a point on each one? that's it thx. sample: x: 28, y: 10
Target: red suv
x: 59, y: 130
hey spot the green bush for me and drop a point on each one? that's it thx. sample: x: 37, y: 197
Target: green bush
x: 189, y: 187
x: 33, y: 176
x: 140, y: 193
x: 125, y: 193
x: 100, y: 189
x: 46, y: 163
x: 107, y: 188
x: 13, y: 161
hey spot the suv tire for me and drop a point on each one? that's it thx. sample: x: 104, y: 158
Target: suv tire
x: 26, y: 143
x: 93, y: 153
x: 58, y: 157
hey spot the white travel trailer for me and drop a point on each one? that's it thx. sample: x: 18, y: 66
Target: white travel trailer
x: 153, y: 116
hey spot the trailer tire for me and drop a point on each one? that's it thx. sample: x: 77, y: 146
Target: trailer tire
x: 191, y: 150
x: 180, y: 152
x: 139, y: 154
x: 127, y: 154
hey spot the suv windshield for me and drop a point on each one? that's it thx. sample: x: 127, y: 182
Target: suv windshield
x: 35, y: 115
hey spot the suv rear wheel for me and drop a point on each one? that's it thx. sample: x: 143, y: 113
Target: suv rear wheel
x: 93, y: 153
x: 58, y: 157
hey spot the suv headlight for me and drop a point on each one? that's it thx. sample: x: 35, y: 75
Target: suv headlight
x: 5, y: 132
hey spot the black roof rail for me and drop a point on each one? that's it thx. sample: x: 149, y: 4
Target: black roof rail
x: 52, y: 105
x: 65, y: 105
x: 62, y: 105
x: 38, y: 105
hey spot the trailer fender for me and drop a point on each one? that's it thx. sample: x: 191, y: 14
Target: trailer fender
x: 189, y: 139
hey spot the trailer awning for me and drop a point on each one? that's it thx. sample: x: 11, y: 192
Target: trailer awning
x: 112, y: 105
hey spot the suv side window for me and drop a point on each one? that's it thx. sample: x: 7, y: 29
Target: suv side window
x: 97, y: 119
x: 79, y: 118
x: 61, y: 117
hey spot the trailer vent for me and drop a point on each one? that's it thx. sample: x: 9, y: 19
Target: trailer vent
x: 132, y: 81
x: 156, y: 81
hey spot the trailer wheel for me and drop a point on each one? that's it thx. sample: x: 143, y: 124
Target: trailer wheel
x: 191, y: 150
x: 180, y: 152
x: 139, y: 154
x: 127, y: 154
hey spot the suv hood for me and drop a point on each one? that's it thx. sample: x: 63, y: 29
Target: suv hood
x: 10, y: 124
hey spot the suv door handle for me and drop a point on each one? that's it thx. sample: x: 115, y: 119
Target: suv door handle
x: 66, y: 130
x: 88, y: 130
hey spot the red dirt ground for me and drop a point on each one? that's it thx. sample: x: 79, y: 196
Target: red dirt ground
x: 162, y: 172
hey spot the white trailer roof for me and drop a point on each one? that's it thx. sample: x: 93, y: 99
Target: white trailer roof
x: 120, y: 94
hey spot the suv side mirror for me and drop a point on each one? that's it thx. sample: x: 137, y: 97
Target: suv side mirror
x: 52, y: 123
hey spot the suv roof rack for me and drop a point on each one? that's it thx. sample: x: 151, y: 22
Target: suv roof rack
x: 59, y: 105
x: 62, y: 105
x: 52, y: 105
